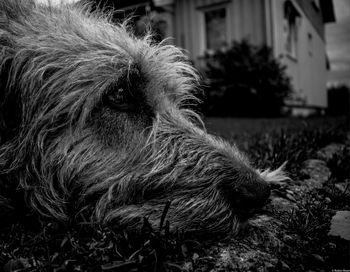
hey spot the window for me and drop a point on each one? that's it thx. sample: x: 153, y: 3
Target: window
x: 215, y: 28
x: 154, y: 20
x: 290, y: 28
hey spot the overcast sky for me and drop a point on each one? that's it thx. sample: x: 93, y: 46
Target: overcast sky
x: 338, y: 42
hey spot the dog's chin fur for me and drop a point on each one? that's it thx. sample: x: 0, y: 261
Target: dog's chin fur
x: 93, y: 118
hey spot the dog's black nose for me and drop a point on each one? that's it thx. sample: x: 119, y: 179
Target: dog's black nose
x: 251, y: 194
x: 246, y: 191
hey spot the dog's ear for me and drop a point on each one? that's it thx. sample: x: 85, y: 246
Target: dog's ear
x: 10, y: 106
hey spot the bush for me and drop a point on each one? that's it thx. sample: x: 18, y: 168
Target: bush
x: 338, y: 100
x: 245, y: 80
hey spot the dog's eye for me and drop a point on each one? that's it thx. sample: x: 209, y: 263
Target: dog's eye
x: 118, y: 98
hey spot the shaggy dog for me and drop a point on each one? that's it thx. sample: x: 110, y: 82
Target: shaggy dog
x: 95, y: 122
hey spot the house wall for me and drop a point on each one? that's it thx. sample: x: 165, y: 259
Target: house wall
x: 262, y: 22
x: 246, y: 19
x: 314, y: 14
x: 308, y: 68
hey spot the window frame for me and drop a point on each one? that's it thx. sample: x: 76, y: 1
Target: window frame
x: 202, y: 33
x: 291, y: 30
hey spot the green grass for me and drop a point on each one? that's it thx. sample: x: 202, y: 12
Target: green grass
x: 235, y: 127
x: 271, y: 142
x: 268, y: 142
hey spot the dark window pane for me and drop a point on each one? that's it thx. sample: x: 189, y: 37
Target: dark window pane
x: 215, y: 28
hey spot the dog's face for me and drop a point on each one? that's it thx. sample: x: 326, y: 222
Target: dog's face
x: 94, y: 117
x: 88, y: 71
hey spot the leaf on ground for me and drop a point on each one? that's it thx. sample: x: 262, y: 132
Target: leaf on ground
x: 118, y: 265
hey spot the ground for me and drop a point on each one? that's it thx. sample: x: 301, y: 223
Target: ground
x: 290, y: 234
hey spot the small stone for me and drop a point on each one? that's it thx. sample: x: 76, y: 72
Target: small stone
x: 340, y: 225
x: 329, y: 151
x: 318, y: 171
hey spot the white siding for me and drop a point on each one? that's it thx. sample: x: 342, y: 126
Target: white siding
x: 308, y: 71
x: 245, y: 20
x: 261, y: 22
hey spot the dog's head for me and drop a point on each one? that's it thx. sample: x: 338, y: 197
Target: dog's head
x: 91, y: 114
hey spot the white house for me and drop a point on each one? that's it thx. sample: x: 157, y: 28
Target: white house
x: 293, y: 28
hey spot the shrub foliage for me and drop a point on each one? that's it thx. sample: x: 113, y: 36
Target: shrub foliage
x: 338, y: 100
x: 245, y: 80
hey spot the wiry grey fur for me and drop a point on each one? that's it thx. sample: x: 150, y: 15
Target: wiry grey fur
x: 70, y: 152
